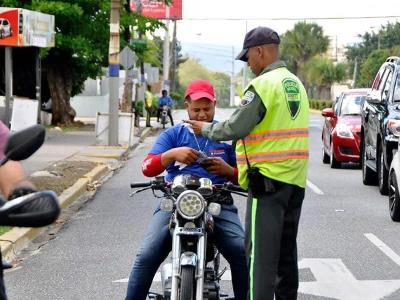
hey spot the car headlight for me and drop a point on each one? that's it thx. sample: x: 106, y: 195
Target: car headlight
x: 394, y: 126
x: 190, y: 204
x: 343, y: 130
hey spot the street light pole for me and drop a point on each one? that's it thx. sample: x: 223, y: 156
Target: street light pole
x: 166, y: 52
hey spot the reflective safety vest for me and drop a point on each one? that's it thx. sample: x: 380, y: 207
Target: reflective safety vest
x: 278, y: 145
x: 148, y: 99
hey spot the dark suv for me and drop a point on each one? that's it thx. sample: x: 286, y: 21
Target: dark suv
x: 380, y: 125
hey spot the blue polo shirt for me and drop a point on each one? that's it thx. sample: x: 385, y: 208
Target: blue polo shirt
x: 180, y: 136
x: 165, y: 101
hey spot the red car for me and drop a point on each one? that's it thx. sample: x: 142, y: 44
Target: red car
x: 342, y: 127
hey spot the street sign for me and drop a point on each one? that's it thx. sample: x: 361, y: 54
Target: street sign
x: 127, y: 58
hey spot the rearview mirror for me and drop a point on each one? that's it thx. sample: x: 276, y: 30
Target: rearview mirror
x: 374, y: 97
x: 328, y: 112
x: 24, y: 143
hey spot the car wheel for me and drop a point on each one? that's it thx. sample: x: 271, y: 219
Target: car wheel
x: 332, y: 160
x: 325, y: 157
x: 369, y: 176
x: 383, y: 175
x: 394, y: 198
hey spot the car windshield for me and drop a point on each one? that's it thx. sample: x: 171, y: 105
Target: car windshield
x: 351, y: 104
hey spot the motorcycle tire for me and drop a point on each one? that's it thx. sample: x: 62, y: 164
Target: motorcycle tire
x: 187, y: 283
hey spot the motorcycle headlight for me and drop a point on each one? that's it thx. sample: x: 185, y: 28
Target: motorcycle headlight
x: 190, y: 204
x: 394, y: 126
x: 343, y: 130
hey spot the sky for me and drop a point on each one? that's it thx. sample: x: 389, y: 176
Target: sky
x: 210, y: 29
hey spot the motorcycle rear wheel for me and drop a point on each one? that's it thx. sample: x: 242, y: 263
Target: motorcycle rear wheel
x: 187, y: 283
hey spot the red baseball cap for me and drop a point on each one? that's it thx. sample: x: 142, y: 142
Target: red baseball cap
x: 198, y: 89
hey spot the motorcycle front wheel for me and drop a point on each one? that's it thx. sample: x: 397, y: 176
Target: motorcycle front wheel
x: 187, y: 283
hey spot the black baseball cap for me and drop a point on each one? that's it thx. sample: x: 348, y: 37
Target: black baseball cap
x: 256, y: 37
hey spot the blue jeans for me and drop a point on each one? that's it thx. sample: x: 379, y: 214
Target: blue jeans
x: 229, y: 239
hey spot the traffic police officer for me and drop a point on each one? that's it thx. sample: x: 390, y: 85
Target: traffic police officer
x: 271, y: 130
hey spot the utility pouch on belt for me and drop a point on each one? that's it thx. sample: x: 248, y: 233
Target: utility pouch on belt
x: 258, y: 183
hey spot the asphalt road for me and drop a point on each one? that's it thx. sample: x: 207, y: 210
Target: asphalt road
x: 348, y: 246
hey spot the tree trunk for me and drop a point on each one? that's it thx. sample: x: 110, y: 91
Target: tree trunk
x: 60, y: 86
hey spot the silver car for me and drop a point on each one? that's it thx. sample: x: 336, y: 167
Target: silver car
x: 394, y: 188
x: 5, y: 28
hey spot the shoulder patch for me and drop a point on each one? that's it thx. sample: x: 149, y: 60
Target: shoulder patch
x: 247, y: 98
x: 293, y: 97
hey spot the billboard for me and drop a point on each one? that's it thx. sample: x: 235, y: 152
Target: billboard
x: 26, y: 28
x: 157, y: 10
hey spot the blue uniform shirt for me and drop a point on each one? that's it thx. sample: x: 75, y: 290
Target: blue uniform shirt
x: 165, y: 101
x: 180, y: 136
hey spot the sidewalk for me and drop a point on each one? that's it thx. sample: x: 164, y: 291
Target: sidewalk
x: 62, y: 146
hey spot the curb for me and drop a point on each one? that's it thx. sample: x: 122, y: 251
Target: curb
x: 17, y: 238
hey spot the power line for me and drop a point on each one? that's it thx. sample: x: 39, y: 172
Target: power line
x: 290, y: 19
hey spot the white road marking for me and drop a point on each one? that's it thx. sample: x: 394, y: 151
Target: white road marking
x: 334, y: 280
x: 383, y: 247
x: 157, y: 278
x: 314, y: 188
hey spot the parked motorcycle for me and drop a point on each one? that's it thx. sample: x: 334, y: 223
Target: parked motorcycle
x: 193, y: 273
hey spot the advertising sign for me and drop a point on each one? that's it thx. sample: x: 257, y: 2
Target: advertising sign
x: 25, y: 28
x: 157, y: 10
x: 9, y: 27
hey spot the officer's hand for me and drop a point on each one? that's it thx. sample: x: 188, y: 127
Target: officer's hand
x: 217, y: 166
x: 185, y: 155
x: 196, y: 125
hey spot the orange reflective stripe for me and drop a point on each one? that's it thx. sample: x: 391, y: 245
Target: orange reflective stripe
x: 271, y: 156
x: 275, y: 134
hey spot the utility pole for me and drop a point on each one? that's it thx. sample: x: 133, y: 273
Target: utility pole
x: 355, y: 72
x: 232, y: 89
x: 113, y: 69
x: 166, y: 83
x: 245, y: 70
x: 174, y: 59
x: 9, y: 83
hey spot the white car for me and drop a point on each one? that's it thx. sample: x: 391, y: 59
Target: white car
x: 394, y: 188
x: 5, y: 28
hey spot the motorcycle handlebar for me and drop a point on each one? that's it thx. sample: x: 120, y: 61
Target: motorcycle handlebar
x: 141, y: 184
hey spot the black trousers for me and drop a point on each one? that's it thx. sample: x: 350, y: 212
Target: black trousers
x: 149, y: 110
x: 272, y: 222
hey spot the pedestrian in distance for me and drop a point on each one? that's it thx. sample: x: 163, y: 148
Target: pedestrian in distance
x: 165, y: 100
x: 271, y: 130
x: 179, y: 145
x: 148, y: 105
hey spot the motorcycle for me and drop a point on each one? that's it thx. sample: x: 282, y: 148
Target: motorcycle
x: 193, y: 273
x: 37, y: 209
x: 164, y: 115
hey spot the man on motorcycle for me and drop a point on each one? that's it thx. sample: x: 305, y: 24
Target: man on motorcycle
x: 13, y: 184
x: 176, y: 146
x: 165, y: 100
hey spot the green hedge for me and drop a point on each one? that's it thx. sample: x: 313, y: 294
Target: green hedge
x: 320, y: 104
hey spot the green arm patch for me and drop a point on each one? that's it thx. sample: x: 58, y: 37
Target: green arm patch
x: 292, y: 94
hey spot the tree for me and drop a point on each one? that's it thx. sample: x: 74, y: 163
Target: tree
x: 82, y: 35
x: 191, y: 70
x: 385, y: 42
x: 221, y: 83
x: 302, y: 43
x: 321, y: 73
